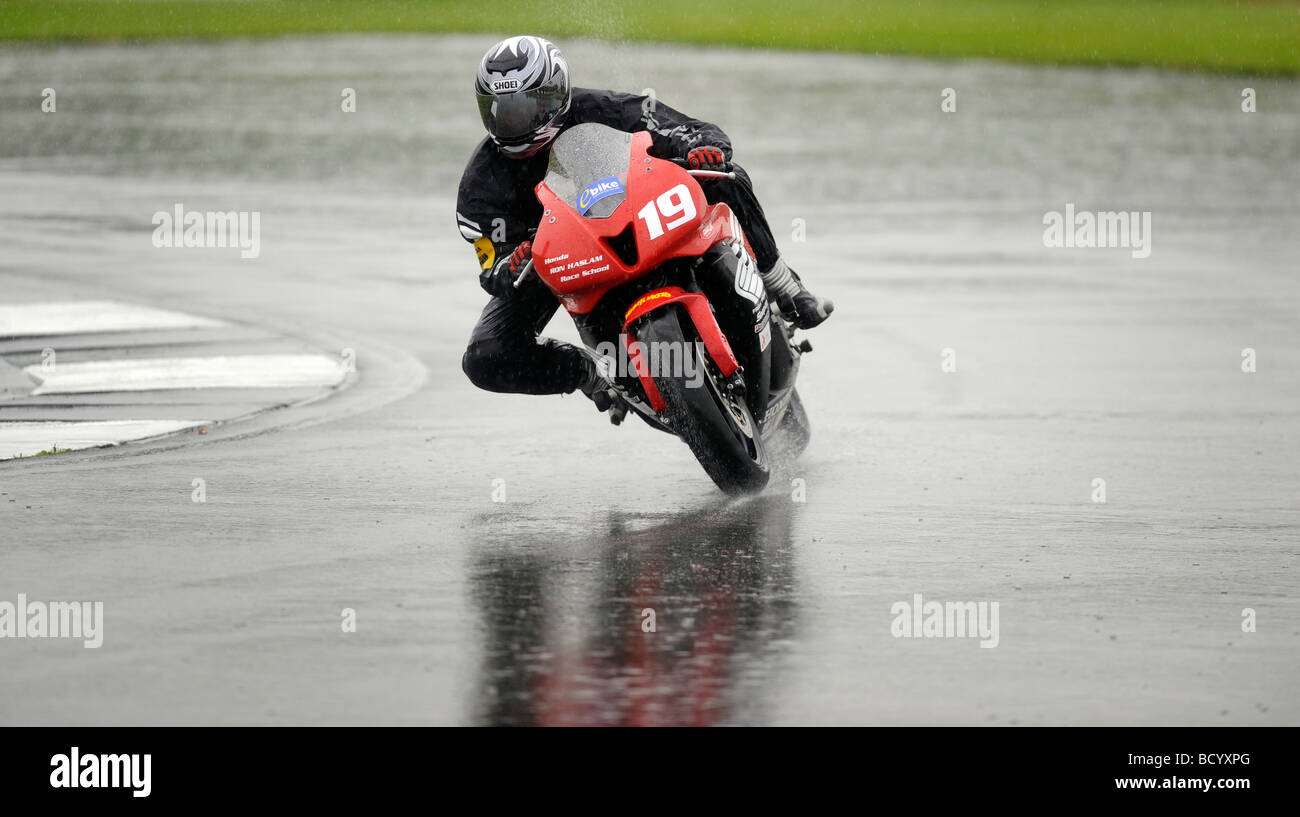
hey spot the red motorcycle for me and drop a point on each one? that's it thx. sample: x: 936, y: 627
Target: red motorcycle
x: 667, y: 296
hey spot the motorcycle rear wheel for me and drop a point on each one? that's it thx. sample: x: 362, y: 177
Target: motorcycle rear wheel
x: 794, y: 431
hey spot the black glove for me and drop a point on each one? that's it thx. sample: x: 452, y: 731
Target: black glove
x: 707, y: 158
x: 500, y: 280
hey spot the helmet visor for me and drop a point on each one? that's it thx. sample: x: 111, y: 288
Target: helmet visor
x: 515, y: 118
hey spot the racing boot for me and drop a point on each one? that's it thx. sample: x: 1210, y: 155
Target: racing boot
x: 618, y: 411
x: 596, y: 382
x: 798, y: 306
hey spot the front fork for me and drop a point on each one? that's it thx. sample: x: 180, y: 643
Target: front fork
x: 706, y: 327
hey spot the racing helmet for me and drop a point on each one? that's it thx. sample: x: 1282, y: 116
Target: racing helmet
x: 523, y: 94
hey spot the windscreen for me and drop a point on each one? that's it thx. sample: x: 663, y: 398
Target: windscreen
x: 588, y: 169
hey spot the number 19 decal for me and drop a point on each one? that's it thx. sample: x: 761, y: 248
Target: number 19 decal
x: 670, y: 203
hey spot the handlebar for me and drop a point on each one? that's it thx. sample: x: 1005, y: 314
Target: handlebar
x: 712, y: 174
x: 523, y: 276
x: 704, y: 174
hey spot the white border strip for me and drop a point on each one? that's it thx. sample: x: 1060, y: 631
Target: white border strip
x: 24, y: 439
x: 86, y: 317
x: 235, y: 372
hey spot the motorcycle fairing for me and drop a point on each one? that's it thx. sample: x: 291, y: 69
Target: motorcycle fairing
x: 581, y: 258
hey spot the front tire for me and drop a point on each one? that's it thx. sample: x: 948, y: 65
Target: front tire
x: 717, y: 426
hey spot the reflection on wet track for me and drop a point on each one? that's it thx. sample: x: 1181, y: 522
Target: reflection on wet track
x: 678, y: 619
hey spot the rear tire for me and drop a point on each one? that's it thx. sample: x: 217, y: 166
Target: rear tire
x: 793, y: 432
x: 718, y: 428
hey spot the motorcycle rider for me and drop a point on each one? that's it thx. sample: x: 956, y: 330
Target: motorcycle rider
x: 525, y: 100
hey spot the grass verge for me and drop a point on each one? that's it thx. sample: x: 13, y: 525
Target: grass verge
x: 1259, y: 37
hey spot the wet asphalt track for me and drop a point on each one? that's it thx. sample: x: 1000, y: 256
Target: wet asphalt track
x: 926, y: 229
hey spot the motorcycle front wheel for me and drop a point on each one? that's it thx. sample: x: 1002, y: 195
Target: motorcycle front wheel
x: 716, y: 425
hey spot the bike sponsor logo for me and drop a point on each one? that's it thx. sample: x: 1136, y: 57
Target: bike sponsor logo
x: 584, y: 273
x: 500, y: 86
x: 487, y: 254
x: 734, y: 224
x: 577, y: 269
x: 596, y: 191
x: 644, y: 299
x: 748, y: 283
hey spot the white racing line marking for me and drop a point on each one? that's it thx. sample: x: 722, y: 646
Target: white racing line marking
x: 273, y: 373
x: 85, y: 317
x: 26, y: 439
x: 237, y: 372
